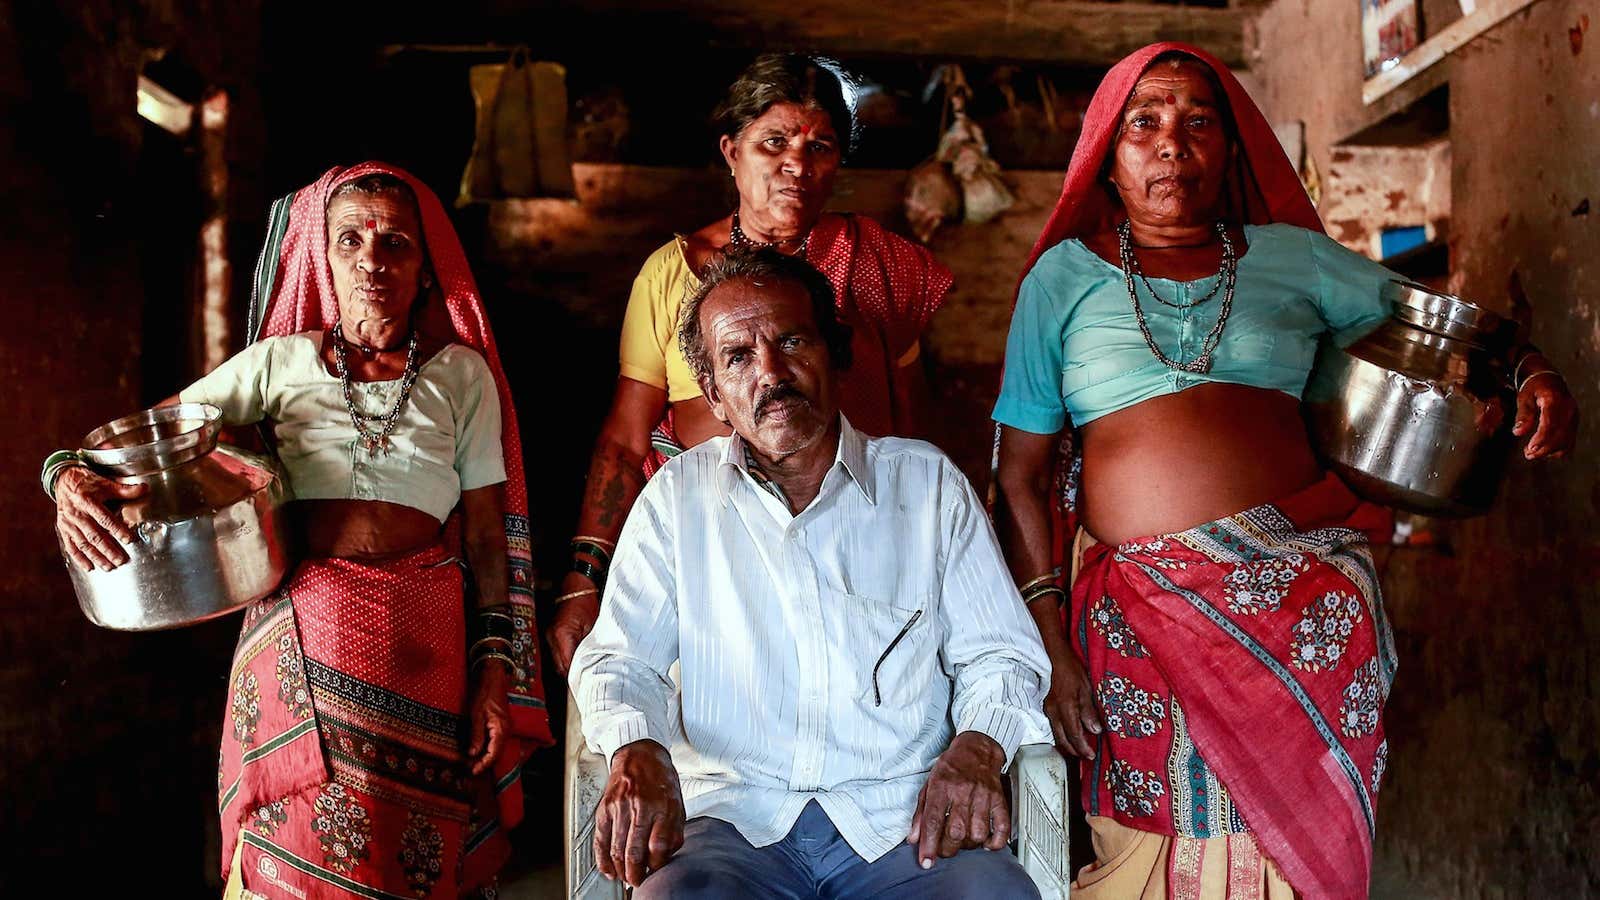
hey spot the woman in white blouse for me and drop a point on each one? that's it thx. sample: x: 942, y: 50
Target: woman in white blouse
x: 343, y: 764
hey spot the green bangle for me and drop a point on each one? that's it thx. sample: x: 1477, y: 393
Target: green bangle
x: 595, y: 574
x: 496, y: 622
x: 54, y: 465
x: 590, y: 548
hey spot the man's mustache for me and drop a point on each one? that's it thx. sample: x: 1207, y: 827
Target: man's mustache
x: 778, y: 393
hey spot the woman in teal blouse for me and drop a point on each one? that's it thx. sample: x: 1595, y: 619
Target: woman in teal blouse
x: 1223, y: 663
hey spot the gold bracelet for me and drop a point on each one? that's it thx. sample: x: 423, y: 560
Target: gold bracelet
x: 1049, y: 576
x: 575, y: 594
x: 610, y: 545
x: 505, y: 658
x: 471, y: 651
x: 1061, y: 596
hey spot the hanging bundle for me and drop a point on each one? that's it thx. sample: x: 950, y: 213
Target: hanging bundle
x: 933, y: 197
x: 961, y: 180
x: 521, y: 145
x: 964, y: 148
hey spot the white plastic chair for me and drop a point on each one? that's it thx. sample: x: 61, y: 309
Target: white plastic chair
x: 1041, y: 788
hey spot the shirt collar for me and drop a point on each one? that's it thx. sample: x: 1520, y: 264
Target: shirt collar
x: 851, y: 454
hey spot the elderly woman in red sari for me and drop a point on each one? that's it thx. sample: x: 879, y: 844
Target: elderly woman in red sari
x: 366, y: 751
x: 1225, y: 657
x: 786, y: 125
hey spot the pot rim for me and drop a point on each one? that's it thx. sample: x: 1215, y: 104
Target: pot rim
x: 1442, y: 313
x: 153, y: 456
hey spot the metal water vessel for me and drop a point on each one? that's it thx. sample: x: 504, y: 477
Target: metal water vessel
x: 211, y: 531
x: 1417, y: 415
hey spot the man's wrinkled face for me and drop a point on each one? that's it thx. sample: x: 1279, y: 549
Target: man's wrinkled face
x: 771, y: 378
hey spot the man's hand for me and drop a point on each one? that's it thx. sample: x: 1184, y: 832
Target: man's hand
x: 639, y: 823
x: 962, y: 805
x: 572, y: 622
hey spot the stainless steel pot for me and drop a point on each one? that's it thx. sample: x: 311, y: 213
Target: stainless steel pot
x: 1417, y: 415
x: 211, y: 533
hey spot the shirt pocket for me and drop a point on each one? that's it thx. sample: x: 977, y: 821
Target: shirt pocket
x: 890, y: 648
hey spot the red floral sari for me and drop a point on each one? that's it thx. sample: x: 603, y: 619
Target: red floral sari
x: 1241, y: 669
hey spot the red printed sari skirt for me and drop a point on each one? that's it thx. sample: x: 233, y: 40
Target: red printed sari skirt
x: 1241, y: 669
x: 342, y: 770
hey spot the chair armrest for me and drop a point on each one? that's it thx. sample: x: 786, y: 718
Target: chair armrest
x: 1041, y: 784
x: 583, y: 783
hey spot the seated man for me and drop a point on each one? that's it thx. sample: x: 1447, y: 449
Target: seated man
x: 856, y: 665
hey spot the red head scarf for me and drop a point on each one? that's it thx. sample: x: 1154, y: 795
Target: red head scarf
x: 1270, y: 188
x: 295, y: 294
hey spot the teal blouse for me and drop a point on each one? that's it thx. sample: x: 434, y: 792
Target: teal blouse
x: 1075, y: 348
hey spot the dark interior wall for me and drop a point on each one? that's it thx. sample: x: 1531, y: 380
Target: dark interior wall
x: 1494, y: 724
x: 107, y: 740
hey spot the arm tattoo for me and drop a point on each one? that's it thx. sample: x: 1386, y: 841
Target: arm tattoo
x: 611, y: 500
x: 614, y: 481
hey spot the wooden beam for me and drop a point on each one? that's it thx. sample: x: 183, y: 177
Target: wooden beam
x: 1062, y: 32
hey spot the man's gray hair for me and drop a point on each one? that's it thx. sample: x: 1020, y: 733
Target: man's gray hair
x: 766, y: 267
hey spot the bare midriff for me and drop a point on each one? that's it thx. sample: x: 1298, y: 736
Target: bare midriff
x: 362, y: 529
x: 1180, y: 460
x: 694, y: 423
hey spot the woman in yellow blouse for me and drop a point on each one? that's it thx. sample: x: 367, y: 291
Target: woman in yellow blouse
x: 785, y: 127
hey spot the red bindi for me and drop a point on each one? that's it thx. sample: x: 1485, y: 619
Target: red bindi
x: 1172, y: 98
x: 373, y: 223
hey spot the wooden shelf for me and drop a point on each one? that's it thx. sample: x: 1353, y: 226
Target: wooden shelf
x: 1425, y: 55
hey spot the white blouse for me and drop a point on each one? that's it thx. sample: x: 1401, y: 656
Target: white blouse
x: 447, y: 439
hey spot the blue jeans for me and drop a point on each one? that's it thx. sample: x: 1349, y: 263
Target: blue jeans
x: 815, y: 863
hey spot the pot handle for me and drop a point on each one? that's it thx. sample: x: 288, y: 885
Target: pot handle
x: 153, y: 534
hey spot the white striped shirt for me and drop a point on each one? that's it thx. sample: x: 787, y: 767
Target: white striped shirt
x: 826, y: 656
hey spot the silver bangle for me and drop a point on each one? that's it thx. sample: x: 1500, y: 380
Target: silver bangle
x: 1525, y: 381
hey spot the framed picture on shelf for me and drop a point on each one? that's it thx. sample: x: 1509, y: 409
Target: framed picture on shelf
x: 1388, y: 30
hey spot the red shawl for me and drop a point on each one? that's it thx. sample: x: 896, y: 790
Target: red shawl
x: 1269, y: 188
x: 300, y: 297
x: 886, y: 288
